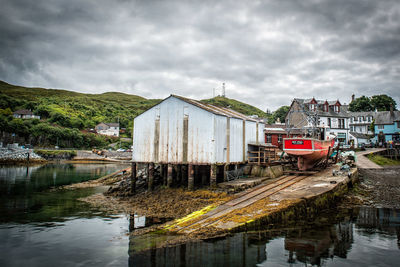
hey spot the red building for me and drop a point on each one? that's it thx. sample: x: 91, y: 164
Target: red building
x: 274, y: 134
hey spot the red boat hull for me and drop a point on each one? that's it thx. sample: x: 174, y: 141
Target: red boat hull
x: 308, y: 151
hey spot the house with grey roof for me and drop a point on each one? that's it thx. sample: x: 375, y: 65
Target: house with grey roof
x: 329, y: 117
x: 110, y: 129
x: 360, y: 127
x: 387, y: 126
x: 25, y: 114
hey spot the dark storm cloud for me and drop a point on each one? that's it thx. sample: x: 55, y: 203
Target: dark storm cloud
x: 267, y: 52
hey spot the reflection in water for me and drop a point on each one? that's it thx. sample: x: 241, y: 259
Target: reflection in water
x: 340, y: 243
x: 24, y: 194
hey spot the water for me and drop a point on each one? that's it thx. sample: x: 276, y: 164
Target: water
x: 42, y: 227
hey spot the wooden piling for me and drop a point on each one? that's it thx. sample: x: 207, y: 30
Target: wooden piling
x: 191, y: 177
x: 213, y: 175
x: 178, y: 171
x: 150, y: 175
x: 133, y: 178
x: 226, y: 168
x: 169, y: 175
x: 203, y: 172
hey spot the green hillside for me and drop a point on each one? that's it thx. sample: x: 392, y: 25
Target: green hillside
x: 67, y: 116
x: 235, y: 105
x: 72, y: 109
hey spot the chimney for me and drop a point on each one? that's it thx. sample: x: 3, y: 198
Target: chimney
x: 352, y: 97
x: 391, y: 110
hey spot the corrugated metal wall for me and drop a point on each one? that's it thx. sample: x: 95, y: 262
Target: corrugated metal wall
x: 162, y: 135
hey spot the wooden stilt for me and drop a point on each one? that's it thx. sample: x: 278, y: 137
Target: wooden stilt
x: 213, y: 175
x: 191, y: 177
x: 133, y: 178
x: 178, y: 171
x: 169, y: 175
x: 226, y: 168
x: 150, y: 176
x: 203, y: 175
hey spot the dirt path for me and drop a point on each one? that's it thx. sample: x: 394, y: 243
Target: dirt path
x: 363, y: 162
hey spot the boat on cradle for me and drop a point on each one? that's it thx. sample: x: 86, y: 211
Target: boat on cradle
x: 309, y: 151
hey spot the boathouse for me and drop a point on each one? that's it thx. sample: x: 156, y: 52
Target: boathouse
x: 191, y: 137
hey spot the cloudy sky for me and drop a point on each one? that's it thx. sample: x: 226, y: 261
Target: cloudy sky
x: 267, y: 52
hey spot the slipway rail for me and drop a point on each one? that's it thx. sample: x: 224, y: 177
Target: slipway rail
x: 250, y: 197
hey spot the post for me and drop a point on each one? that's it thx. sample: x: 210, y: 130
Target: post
x: 213, y: 175
x: 133, y: 178
x: 203, y: 176
x: 178, y: 171
x: 226, y: 168
x: 150, y: 175
x: 162, y: 173
x: 169, y: 175
x: 191, y: 177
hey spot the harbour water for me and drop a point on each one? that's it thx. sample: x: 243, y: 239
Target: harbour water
x: 44, y: 227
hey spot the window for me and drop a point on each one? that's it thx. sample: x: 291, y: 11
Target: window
x: 280, y: 138
x: 355, y: 119
x: 352, y: 128
x: 269, y: 138
x: 329, y: 122
x: 398, y: 124
x: 369, y: 119
x: 381, y: 127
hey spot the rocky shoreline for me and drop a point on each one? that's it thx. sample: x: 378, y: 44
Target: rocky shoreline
x: 19, y: 156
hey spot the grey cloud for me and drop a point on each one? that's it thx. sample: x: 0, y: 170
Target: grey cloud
x: 267, y: 52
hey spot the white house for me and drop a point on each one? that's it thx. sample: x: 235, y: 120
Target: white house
x: 110, y: 129
x: 360, y: 127
x: 25, y: 114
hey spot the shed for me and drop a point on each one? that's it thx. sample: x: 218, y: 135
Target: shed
x: 179, y: 130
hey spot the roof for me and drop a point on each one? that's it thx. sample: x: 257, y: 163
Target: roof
x: 362, y: 113
x: 23, y: 112
x: 112, y: 124
x: 331, y: 113
x: 216, y: 110
x: 275, y: 128
x: 360, y: 135
x: 385, y: 117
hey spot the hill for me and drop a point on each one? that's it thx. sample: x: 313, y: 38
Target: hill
x: 235, y: 105
x: 72, y: 109
x: 67, y: 116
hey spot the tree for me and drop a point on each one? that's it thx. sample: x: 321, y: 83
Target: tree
x: 382, y: 102
x: 362, y: 103
x: 279, y: 113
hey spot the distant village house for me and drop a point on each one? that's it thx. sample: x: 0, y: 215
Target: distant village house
x: 332, y: 117
x: 110, y: 129
x: 25, y: 114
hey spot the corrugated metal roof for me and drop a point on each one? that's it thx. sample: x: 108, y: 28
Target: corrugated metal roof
x: 385, y: 117
x: 216, y: 110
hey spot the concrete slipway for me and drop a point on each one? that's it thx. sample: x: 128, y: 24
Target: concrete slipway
x: 279, y: 200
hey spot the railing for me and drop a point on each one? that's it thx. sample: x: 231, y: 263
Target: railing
x: 263, y: 156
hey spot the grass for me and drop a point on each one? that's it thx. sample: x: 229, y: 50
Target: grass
x: 44, y: 152
x: 382, y: 161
